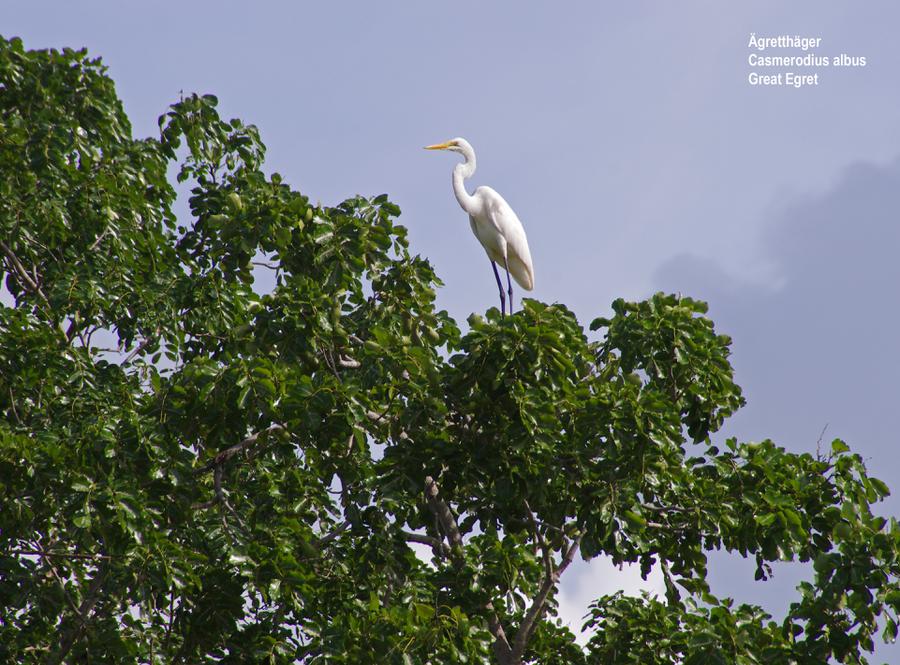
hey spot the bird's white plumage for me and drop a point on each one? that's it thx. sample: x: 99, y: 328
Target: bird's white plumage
x: 493, y: 221
x: 501, y: 234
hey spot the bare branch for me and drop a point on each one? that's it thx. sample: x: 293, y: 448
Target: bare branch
x: 329, y: 360
x: 375, y: 417
x: 819, y: 455
x: 60, y: 581
x: 71, y: 330
x: 219, y: 497
x: 663, y: 509
x: 570, y: 555
x: 12, y: 404
x: 217, y: 484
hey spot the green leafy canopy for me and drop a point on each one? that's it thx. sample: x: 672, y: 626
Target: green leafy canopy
x: 192, y: 470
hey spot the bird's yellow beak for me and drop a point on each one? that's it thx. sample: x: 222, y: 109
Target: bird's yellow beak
x: 439, y: 146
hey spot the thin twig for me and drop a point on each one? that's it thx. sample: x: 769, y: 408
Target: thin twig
x: 70, y: 331
x: 12, y: 404
x: 350, y: 440
x: 170, y: 619
x: 137, y: 350
x: 99, y: 239
x: 62, y: 584
x: 819, y: 443
x: 329, y: 360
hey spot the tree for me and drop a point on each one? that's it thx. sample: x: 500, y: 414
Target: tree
x: 192, y: 470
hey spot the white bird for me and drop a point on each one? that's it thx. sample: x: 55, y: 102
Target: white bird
x: 493, y: 222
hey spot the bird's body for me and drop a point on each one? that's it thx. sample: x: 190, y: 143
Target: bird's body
x: 493, y: 222
x: 500, y: 232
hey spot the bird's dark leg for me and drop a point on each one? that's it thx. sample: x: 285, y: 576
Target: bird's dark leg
x: 500, y: 286
x: 508, y: 284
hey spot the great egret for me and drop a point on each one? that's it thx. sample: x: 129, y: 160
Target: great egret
x: 493, y: 222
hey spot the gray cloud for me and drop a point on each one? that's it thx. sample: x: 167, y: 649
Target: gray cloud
x: 821, y: 347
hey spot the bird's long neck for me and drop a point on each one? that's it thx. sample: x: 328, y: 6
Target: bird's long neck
x: 460, y: 173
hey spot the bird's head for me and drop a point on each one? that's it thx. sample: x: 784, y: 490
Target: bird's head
x: 459, y: 145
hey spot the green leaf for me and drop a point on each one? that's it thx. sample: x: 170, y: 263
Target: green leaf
x: 838, y: 447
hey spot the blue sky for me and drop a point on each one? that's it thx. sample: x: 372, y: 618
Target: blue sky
x: 629, y: 141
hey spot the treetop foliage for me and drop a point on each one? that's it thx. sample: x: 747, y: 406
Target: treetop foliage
x: 193, y: 470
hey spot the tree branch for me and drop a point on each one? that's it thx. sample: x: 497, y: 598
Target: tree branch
x: 59, y: 580
x: 217, y: 466
x: 230, y: 452
x: 529, y: 623
x: 501, y: 643
x: 27, y: 280
x: 137, y: 350
x: 348, y: 363
x: 99, y: 239
x: 334, y: 533
x: 61, y: 555
x: 443, y: 513
x: 435, y: 543
x: 379, y: 417
x: 140, y: 347
x: 663, y: 509
x: 545, y: 550
x: 445, y: 518
x: 81, y: 616
x: 12, y: 404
